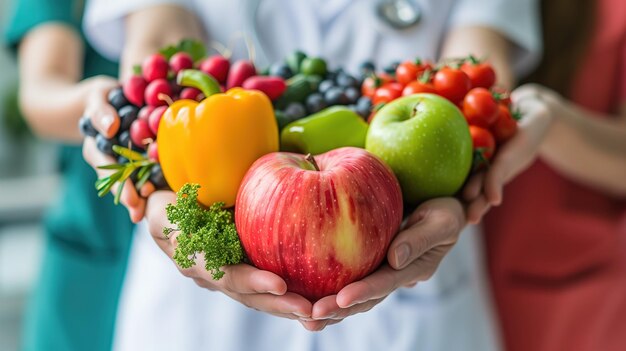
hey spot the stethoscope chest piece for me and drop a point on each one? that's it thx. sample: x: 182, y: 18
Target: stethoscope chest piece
x: 399, y: 14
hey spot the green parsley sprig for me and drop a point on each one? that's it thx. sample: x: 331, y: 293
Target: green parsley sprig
x: 136, y: 162
x: 210, y: 232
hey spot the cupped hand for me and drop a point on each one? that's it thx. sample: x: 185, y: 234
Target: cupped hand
x: 105, y: 120
x: 484, y: 189
x: 413, y: 256
x: 254, y: 288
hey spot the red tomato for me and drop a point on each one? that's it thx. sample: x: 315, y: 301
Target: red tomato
x: 481, y: 74
x: 483, y: 141
x: 409, y: 71
x: 452, y: 84
x: 502, y: 95
x: 373, y: 82
x: 387, y: 93
x: 505, y: 126
x: 416, y: 87
x: 480, y: 108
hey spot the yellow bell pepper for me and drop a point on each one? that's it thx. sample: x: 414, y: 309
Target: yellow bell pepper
x: 214, y: 142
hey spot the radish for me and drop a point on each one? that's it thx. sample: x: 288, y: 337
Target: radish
x: 155, y: 118
x: 181, y: 61
x: 217, y: 66
x: 134, y: 89
x: 155, y: 67
x: 140, y: 133
x: 159, y: 86
x: 273, y: 87
x: 239, y: 72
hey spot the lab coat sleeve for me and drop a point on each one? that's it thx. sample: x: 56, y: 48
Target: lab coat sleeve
x: 518, y: 20
x: 103, y: 22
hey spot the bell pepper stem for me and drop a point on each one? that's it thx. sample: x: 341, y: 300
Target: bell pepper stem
x: 311, y: 160
x: 198, y: 79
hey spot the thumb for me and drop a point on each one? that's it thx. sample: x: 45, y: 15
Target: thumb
x: 436, y: 222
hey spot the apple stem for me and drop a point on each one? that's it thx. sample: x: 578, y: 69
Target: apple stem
x: 415, y: 108
x: 311, y: 159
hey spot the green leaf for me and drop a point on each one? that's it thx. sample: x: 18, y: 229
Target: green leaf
x: 107, y: 183
x: 137, y: 70
x: 102, y: 182
x: 116, y: 199
x: 194, y: 48
x: 142, y: 176
x: 480, y: 160
x: 168, y: 51
x: 126, y: 174
x: 128, y: 153
x: 105, y: 187
x: 112, y: 166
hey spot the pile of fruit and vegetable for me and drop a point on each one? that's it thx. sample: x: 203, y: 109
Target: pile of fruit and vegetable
x: 300, y: 169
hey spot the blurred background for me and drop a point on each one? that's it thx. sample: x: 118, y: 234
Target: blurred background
x: 28, y: 181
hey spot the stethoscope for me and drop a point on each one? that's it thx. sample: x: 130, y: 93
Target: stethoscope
x: 398, y: 14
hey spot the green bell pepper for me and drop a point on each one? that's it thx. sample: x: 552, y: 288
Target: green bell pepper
x: 329, y: 129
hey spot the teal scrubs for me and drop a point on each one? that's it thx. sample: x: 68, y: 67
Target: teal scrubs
x: 74, y: 304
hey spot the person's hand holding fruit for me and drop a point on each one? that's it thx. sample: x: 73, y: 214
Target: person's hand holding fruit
x: 254, y: 288
x: 413, y: 256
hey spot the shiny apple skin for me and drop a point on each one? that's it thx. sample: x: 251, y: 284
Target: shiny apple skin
x: 318, y: 230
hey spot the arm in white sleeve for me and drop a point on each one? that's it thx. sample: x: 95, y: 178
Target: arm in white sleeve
x: 128, y: 31
x: 517, y: 21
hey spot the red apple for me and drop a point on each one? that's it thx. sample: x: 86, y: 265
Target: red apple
x: 320, y: 223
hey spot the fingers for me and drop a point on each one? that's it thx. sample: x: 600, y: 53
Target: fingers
x: 327, y: 308
x: 136, y: 212
x: 414, y: 255
x: 473, y: 187
x: 440, y: 222
x: 129, y: 197
x: 147, y: 189
x: 477, y: 209
x: 135, y: 204
x: 103, y: 116
x: 386, y: 279
x: 94, y: 157
x: 240, y: 278
x: 314, y: 325
x: 157, y: 220
x: 375, y: 286
x: 290, y: 305
x: 246, y: 279
x: 519, y: 152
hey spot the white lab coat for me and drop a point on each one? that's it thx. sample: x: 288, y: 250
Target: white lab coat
x: 162, y: 310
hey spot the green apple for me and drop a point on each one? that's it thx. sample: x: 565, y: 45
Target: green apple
x: 425, y: 140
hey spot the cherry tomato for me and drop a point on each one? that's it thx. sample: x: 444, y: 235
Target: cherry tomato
x: 480, y: 108
x: 505, y: 125
x: 502, y: 95
x: 483, y: 141
x: 481, y: 74
x: 416, y: 87
x: 452, y: 84
x: 373, y: 82
x: 387, y: 93
x: 409, y: 71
